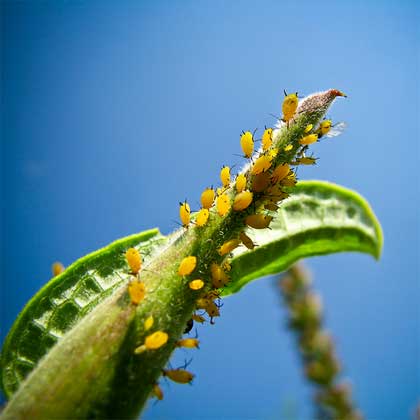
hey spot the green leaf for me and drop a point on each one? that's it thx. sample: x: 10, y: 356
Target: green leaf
x: 318, y: 218
x: 66, y: 299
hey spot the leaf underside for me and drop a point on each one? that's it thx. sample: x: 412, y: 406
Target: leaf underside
x: 64, y: 301
x: 319, y: 218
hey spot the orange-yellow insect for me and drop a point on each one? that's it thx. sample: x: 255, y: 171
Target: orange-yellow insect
x: 207, y: 198
x: 290, y: 104
x: 148, y: 323
x: 267, y: 139
x: 262, y: 164
x: 218, y: 276
x: 189, y: 343
x: 156, y: 340
x: 202, y: 217
x: 261, y: 182
x: 324, y: 128
x: 57, y: 268
x: 246, y: 240
x: 289, y: 181
x: 240, y: 183
x: 157, y: 392
x: 308, y: 128
x: 184, y: 213
x: 229, y: 246
x: 222, y: 204
x: 306, y: 160
x: 210, y: 307
x: 137, y: 291
x: 133, y: 258
x: 179, y: 376
x: 187, y: 265
x: 225, y: 176
x: 242, y: 200
x: 196, y: 284
x: 258, y: 221
x: 153, y: 341
x: 280, y: 172
x: 198, y: 318
x: 247, y: 143
x: 273, y: 153
x: 271, y: 206
x: 309, y: 139
x: 226, y: 266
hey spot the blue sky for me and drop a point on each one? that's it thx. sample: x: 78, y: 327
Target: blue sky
x: 113, y: 112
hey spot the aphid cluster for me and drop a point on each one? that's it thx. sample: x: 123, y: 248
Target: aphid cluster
x: 248, y: 200
x: 153, y: 341
x: 242, y: 203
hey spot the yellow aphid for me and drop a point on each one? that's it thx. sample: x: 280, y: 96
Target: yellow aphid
x: 247, y: 143
x: 218, y: 276
x: 133, y: 259
x: 271, y: 206
x: 157, y: 392
x: 198, y: 318
x: 242, y: 200
x: 258, y: 221
x: 137, y: 291
x: 290, y: 104
x: 289, y: 181
x: 207, y: 198
x: 189, y: 343
x: 288, y: 147
x: 229, y: 246
x: 262, y: 164
x: 324, y: 127
x: 203, y: 303
x: 309, y: 139
x: 202, y: 217
x: 240, y: 183
x: 226, y: 266
x: 306, y: 161
x: 187, y: 265
x: 267, y: 139
x: 275, y: 193
x: 156, y: 340
x: 179, y: 376
x: 210, y: 307
x: 308, y: 128
x: 261, y: 182
x: 246, y: 240
x: 280, y: 172
x: 184, y: 213
x: 148, y: 323
x: 57, y: 268
x: 273, y: 153
x: 225, y: 176
x: 222, y: 204
x: 196, y: 284
x: 212, y: 310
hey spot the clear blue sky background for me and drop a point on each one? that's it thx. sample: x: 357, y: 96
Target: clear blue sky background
x: 114, y: 111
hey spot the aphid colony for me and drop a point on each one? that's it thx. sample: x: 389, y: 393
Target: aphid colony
x: 157, y: 339
x: 245, y: 202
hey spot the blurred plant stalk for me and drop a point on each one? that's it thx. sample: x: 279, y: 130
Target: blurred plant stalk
x: 321, y: 365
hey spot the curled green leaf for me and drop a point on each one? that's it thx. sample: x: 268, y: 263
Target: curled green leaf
x: 318, y: 218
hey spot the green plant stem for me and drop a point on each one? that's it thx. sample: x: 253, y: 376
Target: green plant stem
x: 112, y: 331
